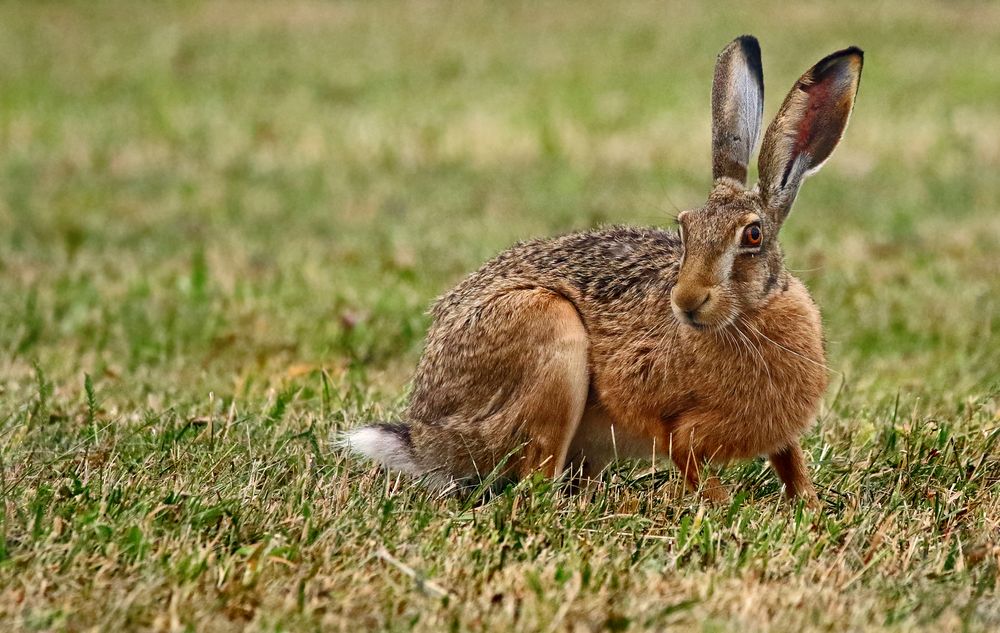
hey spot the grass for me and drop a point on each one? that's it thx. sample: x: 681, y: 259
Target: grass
x: 221, y: 225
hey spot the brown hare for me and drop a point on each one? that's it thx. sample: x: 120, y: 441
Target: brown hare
x: 639, y: 342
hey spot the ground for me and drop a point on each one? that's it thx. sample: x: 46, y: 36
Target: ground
x: 221, y: 225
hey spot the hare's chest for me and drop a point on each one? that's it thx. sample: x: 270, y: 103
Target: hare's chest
x: 770, y: 388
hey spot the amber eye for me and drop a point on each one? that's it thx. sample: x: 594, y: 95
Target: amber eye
x: 752, y: 236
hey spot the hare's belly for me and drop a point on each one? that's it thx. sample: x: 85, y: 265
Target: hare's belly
x: 600, y: 440
x: 719, y: 437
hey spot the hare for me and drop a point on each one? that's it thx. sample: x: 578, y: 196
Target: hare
x: 697, y: 345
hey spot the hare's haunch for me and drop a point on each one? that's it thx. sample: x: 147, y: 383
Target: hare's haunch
x: 697, y: 345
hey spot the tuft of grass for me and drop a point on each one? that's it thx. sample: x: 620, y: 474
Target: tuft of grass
x: 221, y: 225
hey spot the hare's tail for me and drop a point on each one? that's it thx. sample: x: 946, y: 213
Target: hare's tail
x: 387, y: 444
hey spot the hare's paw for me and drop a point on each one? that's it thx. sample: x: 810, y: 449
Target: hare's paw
x: 790, y: 464
x: 714, y: 492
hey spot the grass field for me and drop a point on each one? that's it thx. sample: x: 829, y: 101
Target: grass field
x: 221, y: 225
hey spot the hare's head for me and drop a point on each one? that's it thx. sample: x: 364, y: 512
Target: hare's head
x: 731, y: 260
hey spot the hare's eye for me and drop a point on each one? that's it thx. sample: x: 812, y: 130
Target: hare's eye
x: 752, y: 236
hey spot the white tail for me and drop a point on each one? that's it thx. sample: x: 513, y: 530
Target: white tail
x: 384, y: 445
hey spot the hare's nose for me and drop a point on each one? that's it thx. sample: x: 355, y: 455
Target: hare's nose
x: 689, y: 301
x: 692, y: 312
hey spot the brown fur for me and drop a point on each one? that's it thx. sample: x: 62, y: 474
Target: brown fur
x: 630, y: 342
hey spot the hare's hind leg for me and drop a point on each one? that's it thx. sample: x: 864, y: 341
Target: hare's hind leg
x: 501, y: 387
x: 546, y: 407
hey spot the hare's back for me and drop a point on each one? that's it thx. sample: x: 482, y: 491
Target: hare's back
x: 601, y: 265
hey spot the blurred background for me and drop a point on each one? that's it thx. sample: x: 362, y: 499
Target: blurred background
x: 215, y: 196
x: 222, y: 224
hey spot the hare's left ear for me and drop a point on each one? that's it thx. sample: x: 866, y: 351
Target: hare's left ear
x: 807, y: 128
x: 737, y: 108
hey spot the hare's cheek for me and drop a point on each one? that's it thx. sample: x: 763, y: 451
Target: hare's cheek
x: 725, y: 266
x: 747, y: 270
x: 749, y: 284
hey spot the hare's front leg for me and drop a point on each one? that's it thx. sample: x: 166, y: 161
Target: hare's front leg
x: 693, y: 465
x: 790, y: 464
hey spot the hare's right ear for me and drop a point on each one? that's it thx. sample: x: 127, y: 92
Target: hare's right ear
x: 807, y: 128
x: 737, y: 108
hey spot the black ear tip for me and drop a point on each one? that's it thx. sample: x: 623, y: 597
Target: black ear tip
x: 749, y: 45
x: 860, y: 54
x: 849, y: 55
x: 750, y: 48
x: 852, y: 51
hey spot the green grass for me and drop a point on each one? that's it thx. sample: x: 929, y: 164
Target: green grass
x: 220, y: 228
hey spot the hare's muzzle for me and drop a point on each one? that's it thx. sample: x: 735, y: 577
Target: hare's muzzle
x: 690, y: 302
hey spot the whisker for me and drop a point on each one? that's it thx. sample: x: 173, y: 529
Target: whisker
x: 753, y: 347
x: 790, y: 351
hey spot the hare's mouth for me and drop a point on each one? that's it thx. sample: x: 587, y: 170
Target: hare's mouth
x: 704, y: 325
x: 707, y: 317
